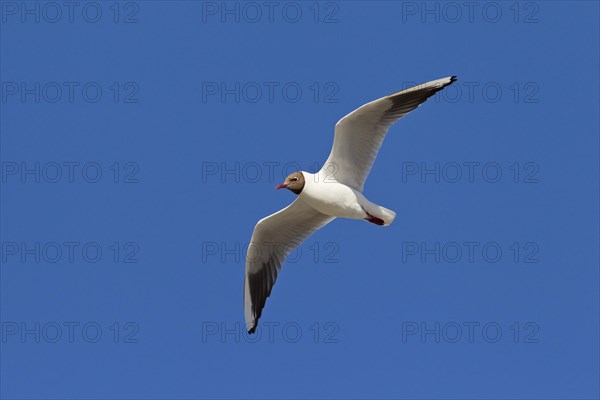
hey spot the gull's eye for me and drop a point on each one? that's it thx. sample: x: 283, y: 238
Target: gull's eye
x: 295, y: 178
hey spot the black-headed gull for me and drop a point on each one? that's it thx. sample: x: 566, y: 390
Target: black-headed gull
x: 335, y: 191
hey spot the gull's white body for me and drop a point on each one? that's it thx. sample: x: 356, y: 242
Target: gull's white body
x: 335, y: 191
x: 330, y: 197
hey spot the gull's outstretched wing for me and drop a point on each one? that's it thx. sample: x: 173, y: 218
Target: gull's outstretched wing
x: 359, y: 135
x: 273, y: 239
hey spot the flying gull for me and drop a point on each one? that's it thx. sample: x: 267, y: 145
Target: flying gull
x: 333, y: 192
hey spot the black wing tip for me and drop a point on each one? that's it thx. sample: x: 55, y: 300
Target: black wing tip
x: 253, y: 329
x: 453, y: 79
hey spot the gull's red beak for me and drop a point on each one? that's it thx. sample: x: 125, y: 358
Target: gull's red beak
x: 281, y: 186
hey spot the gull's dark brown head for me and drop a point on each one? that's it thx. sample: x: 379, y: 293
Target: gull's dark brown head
x: 293, y: 182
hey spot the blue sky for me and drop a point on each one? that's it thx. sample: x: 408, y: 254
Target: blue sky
x: 140, y: 144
